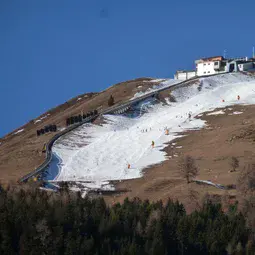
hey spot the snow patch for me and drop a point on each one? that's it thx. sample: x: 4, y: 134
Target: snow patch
x: 19, y: 131
x: 62, y: 129
x: 42, y: 118
x: 216, y: 113
x: 157, y: 80
x: 168, y: 101
x: 235, y: 113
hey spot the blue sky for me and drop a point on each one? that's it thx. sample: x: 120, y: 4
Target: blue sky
x: 51, y: 51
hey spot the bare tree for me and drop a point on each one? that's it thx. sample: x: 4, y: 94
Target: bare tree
x: 188, y: 168
x: 234, y: 164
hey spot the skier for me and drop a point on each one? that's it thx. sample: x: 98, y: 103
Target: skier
x: 238, y: 97
x: 128, y: 166
x: 152, y: 144
x: 189, y: 115
x: 167, y: 132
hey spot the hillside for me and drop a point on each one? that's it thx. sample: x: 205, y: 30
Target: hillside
x: 98, y: 156
x: 204, y: 119
x: 20, y: 150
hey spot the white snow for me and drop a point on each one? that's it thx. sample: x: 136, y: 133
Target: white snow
x: 216, y: 113
x: 78, y: 99
x: 43, y: 117
x: 235, y: 113
x: 99, y: 154
x: 211, y: 183
x: 157, y: 80
x: 19, y: 131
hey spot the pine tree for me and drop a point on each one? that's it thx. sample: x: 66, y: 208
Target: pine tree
x: 239, y: 249
x: 111, y: 101
x: 249, y: 248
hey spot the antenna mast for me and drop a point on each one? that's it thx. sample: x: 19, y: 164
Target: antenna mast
x: 225, y: 53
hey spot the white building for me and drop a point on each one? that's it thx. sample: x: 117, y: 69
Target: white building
x: 246, y: 66
x: 184, y: 75
x: 209, y: 66
x: 217, y: 64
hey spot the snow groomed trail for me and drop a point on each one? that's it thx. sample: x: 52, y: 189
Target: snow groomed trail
x: 99, y: 154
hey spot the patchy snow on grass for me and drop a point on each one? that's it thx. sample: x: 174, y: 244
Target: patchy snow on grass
x: 99, y: 154
x: 78, y: 99
x: 216, y: 113
x: 164, y: 83
x: 42, y: 118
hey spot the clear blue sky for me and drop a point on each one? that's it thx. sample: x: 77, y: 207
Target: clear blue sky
x: 53, y: 50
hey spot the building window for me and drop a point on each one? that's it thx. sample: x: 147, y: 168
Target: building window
x: 204, y: 72
x: 208, y: 72
x: 209, y: 64
x: 216, y: 63
x: 204, y: 64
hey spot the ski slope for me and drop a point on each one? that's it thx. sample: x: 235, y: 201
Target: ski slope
x: 99, y: 154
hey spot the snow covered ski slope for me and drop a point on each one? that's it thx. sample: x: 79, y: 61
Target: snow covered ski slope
x: 98, y: 154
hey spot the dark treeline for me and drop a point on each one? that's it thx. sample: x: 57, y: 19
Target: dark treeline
x: 79, y: 118
x: 37, y: 222
x: 46, y: 129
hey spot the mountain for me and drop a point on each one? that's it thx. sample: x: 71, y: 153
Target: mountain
x: 203, y: 117
x: 20, y: 150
